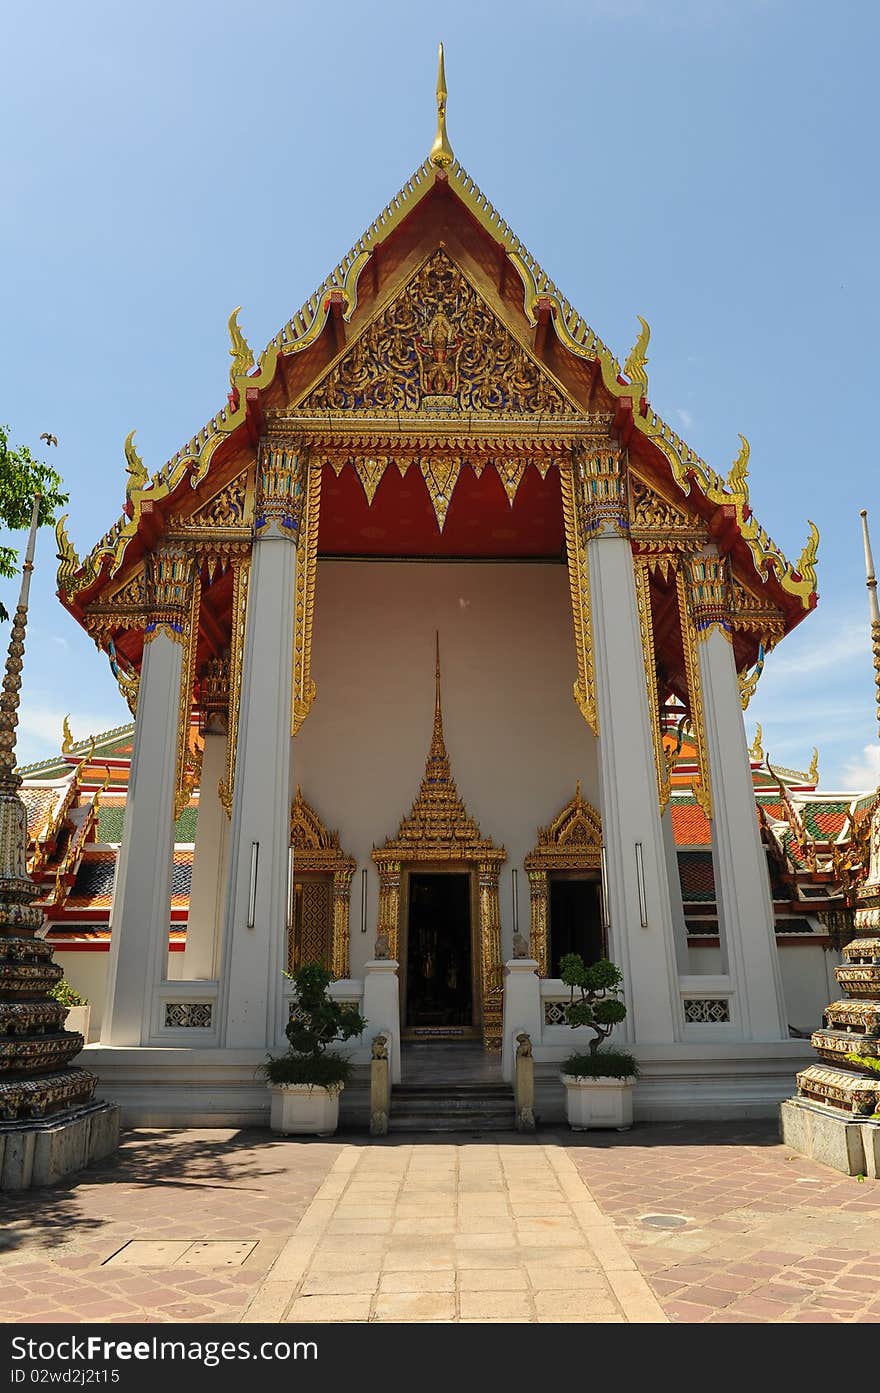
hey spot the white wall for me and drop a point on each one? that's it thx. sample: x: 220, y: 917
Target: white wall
x: 516, y: 740
x: 809, y: 984
x: 87, y: 974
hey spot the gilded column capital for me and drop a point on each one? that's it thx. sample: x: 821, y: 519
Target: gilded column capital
x: 708, y: 594
x: 282, y: 472
x: 168, y: 592
x: 600, y: 489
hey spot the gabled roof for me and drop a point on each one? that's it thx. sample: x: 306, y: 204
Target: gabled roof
x: 541, y: 300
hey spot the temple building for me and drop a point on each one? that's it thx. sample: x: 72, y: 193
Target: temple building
x: 437, y: 640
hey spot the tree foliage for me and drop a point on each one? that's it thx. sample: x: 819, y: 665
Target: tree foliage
x: 22, y: 476
x: 599, y: 1007
x: 317, y: 1022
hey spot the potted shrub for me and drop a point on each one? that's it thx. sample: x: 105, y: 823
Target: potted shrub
x: 598, y: 1083
x: 78, y: 1008
x: 306, y: 1081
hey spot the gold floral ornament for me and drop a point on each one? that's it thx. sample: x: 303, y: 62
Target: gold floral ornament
x: 636, y: 366
x: 240, y: 352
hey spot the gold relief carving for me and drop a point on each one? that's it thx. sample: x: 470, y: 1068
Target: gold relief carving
x: 755, y: 614
x: 646, y: 628
x: 188, y: 757
x: 281, y: 473
x: 214, y: 689
x: 440, y: 476
x: 241, y: 571
x: 438, y: 347
x: 702, y: 786
x: 387, y: 934
x: 709, y: 595
x: 304, y: 689
x: 169, y: 583
x: 491, y: 968
x: 510, y: 472
x: 309, y: 939
x: 128, y: 606
x: 439, y: 828
x: 600, y: 490
x: 658, y: 526
x: 584, y: 689
x: 572, y: 842
x: 370, y: 472
x: 317, y: 850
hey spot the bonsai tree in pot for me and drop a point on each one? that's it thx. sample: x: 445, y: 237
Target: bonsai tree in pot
x: 307, y: 1080
x: 598, y: 1083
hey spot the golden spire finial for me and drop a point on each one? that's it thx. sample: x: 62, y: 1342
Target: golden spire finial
x: 441, y: 151
x: 871, y: 582
x: 437, y: 744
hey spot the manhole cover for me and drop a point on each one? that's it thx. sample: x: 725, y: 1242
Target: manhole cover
x: 664, y: 1221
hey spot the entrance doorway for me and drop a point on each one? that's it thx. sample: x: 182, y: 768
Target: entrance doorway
x: 575, y: 920
x: 439, y: 988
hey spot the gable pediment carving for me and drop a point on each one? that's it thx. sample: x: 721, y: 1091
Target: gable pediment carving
x: 438, y: 348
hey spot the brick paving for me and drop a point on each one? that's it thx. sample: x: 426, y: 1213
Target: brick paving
x: 56, y: 1243
x: 769, y: 1235
x: 500, y: 1228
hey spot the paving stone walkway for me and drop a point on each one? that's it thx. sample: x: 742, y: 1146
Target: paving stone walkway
x: 690, y: 1223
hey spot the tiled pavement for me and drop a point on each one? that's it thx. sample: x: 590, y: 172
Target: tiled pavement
x: 497, y: 1228
x: 769, y: 1235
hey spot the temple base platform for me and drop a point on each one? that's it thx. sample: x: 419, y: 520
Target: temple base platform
x: 42, y: 1152
x: 847, y: 1144
x: 167, y: 1086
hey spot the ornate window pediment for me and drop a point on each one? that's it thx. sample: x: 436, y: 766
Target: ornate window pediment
x: 320, y: 927
x: 572, y: 842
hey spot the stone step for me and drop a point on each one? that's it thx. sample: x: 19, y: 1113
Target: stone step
x: 459, y: 1107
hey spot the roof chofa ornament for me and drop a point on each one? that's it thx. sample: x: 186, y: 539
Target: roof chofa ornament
x: 441, y: 151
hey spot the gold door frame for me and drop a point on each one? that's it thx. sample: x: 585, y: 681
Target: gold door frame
x: 482, y: 861
x: 443, y: 868
x: 572, y: 842
x: 317, y: 849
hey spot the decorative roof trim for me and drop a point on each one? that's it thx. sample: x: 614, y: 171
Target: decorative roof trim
x: 194, y: 458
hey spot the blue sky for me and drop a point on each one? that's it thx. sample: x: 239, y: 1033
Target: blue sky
x: 711, y: 166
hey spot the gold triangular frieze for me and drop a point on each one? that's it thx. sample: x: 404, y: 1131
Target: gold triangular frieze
x: 440, y: 476
x: 438, y: 350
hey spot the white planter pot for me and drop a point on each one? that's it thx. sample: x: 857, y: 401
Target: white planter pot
x: 598, y: 1102
x: 77, y: 1018
x: 304, y: 1107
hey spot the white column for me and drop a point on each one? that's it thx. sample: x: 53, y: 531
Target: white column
x: 742, y: 884
x: 259, y: 847
x: 141, y: 912
x: 645, y: 953
x: 202, y: 953
x: 679, y: 924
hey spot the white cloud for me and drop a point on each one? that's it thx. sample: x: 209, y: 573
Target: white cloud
x: 40, y: 727
x: 863, y: 772
x: 685, y: 417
